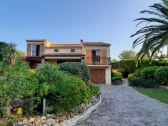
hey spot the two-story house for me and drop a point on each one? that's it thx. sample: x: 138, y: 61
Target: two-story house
x: 96, y: 55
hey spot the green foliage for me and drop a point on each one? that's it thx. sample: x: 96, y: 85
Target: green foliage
x: 76, y: 68
x: 127, y: 54
x: 116, y: 77
x: 161, y: 75
x: 144, y: 77
x: 159, y: 94
x: 2, y: 46
x: 141, y: 82
x: 19, y: 83
x: 95, y: 91
x: 7, y: 52
x: 66, y: 91
x: 130, y: 64
x: 152, y: 36
x: 148, y: 72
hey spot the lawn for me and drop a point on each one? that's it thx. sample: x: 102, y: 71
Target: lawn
x: 159, y: 94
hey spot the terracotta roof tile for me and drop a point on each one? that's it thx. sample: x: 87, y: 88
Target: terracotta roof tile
x: 96, y: 43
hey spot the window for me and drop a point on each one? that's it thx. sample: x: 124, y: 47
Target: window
x: 56, y: 50
x: 35, y: 50
x: 96, y: 56
x: 72, y: 50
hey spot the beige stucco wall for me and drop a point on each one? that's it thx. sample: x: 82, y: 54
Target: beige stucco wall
x: 108, y: 74
x: 62, y: 50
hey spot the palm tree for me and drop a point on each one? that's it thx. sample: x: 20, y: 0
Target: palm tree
x: 154, y: 35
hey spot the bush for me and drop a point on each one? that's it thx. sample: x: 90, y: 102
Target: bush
x: 135, y: 81
x: 66, y: 91
x: 116, y: 77
x: 161, y: 75
x: 130, y: 64
x: 19, y: 83
x: 141, y: 82
x: 148, y: 72
x: 76, y: 68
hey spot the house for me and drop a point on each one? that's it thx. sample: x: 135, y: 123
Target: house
x: 96, y: 55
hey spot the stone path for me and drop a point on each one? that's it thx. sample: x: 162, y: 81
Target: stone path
x: 124, y: 106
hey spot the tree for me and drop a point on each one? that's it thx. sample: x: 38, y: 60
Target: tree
x: 127, y: 54
x: 2, y: 46
x: 8, y: 52
x: 154, y: 35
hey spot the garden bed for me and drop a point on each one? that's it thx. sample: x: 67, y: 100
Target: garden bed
x: 67, y: 119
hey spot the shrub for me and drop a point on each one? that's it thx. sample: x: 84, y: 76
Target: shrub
x: 66, y: 91
x: 161, y: 75
x: 135, y: 81
x: 141, y: 82
x: 94, y: 89
x: 116, y: 77
x: 148, y: 72
x: 130, y: 64
x: 76, y: 68
x: 19, y: 83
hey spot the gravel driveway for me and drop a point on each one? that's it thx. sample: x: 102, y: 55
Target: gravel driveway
x: 124, y: 106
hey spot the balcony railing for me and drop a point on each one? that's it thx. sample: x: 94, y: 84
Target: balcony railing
x: 100, y: 61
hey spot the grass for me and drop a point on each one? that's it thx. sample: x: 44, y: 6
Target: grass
x: 159, y: 94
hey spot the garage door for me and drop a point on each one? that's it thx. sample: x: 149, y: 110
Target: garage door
x: 97, y: 76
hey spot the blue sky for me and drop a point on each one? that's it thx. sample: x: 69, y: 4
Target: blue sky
x: 68, y: 21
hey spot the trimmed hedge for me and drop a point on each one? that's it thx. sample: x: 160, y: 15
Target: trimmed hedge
x: 130, y: 64
x: 148, y: 72
x: 161, y: 75
x: 76, y: 68
x: 141, y: 82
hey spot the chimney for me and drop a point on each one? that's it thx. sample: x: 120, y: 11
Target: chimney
x: 81, y: 40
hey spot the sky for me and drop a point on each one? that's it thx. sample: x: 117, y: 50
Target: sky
x: 68, y: 21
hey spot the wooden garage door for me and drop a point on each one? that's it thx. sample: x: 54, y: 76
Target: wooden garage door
x: 97, y: 76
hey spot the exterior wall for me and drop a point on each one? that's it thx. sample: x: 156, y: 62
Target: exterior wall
x: 108, y: 74
x: 29, y: 47
x: 88, y: 56
x: 104, y: 53
x: 62, y: 50
x: 52, y: 61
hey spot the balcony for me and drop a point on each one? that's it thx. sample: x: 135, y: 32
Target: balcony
x: 97, y: 61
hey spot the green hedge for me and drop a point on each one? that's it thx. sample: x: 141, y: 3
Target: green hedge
x: 148, y: 72
x: 76, y: 68
x: 130, y: 64
x: 141, y: 82
x: 161, y: 75
x: 116, y: 77
x: 149, y: 76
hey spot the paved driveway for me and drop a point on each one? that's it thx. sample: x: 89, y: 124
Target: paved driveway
x: 124, y: 106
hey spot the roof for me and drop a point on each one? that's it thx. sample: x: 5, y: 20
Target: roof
x: 36, y: 40
x: 96, y: 43
x: 65, y: 45
x: 64, y: 54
